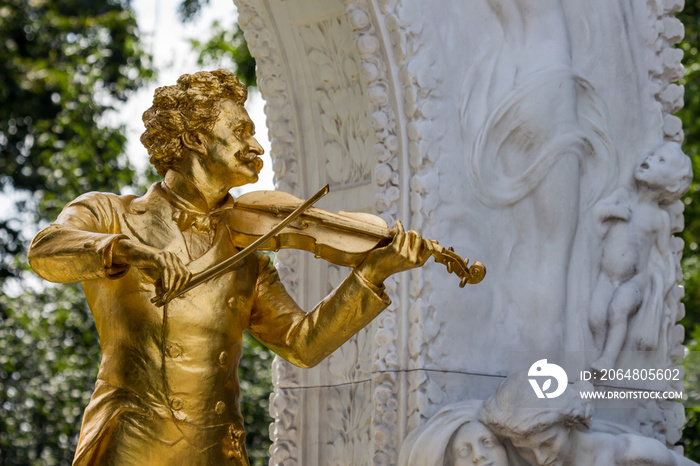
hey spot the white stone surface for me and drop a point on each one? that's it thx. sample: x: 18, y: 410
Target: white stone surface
x: 498, y: 127
x: 561, y: 431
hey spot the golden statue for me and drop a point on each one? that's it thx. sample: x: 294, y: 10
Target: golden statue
x: 167, y: 390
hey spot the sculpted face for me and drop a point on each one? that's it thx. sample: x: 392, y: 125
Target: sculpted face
x: 548, y: 448
x: 232, y: 151
x: 661, y: 167
x: 474, y: 444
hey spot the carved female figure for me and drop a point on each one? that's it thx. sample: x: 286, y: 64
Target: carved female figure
x: 455, y: 437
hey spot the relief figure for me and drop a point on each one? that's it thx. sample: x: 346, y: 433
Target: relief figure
x: 635, y: 233
x: 557, y: 431
x: 453, y: 437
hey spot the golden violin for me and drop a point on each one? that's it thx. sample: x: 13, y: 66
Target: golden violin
x: 274, y: 220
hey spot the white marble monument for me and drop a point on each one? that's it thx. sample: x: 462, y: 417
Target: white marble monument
x: 531, y: 135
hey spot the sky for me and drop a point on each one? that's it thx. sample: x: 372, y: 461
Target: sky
x: 167, y: 39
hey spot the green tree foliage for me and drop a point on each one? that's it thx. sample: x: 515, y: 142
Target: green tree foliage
x: 690, y: 16
x: 255, y: 373
x: 227, y: 47
x: 190, y: 9
x: 49, y: 354
x: 65, y: 64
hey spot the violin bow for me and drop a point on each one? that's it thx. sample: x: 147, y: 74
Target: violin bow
x: 225, y: 265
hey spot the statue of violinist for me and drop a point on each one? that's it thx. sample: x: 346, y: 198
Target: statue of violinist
x: 167, y: 390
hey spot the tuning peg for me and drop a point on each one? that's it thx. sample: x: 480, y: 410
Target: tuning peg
x: 463, y: 282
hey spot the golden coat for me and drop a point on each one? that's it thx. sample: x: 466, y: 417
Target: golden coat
x: 167, y: 391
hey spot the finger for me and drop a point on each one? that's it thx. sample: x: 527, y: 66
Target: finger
x: 414, y: 239
x: 186, y: 276
x: 414, y: 242
x: 159, y: 289
x: 169, y: 277
x: 172, y: 265
x: 400, y: 236
x: 424, y: 251
x: 427, y: 249
x: 164, y: 274
x: 158, y: 298
x: 183, y: 276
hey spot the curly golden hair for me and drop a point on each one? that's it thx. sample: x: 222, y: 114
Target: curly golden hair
x: 189, y: 107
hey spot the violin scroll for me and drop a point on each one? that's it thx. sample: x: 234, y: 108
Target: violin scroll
x: 450, y: 259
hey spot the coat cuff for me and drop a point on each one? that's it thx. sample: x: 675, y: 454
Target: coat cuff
x: 378, y: 291
x: 111, y: 270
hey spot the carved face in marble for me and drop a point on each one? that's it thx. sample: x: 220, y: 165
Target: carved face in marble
x: 665, y: 167
x: 474, y: 444
x: 550, y: 447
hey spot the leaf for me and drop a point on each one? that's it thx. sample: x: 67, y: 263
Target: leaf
x: 546, y: 385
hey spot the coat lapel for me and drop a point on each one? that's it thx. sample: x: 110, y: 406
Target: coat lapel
x: 150, y: 219
x: 221, y: 249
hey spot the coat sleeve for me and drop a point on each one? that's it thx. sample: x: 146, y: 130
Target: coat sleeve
x: 78, y: 245
x: 305, y: 339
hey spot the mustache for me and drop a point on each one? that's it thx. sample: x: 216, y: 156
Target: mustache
x: 251, y: 157
x: 246, y: 156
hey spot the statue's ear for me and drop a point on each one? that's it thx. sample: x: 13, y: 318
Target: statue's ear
x: 194, y: 142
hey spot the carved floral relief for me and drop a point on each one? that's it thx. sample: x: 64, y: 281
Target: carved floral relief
x: 339, y: 97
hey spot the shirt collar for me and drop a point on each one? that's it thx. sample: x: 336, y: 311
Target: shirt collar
x: 186, y: 212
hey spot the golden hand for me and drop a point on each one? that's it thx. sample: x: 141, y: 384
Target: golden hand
x: 406, y: 251
x: 162, y: 266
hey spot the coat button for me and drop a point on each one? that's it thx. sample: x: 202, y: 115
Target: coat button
x: 176, y: 403
x: 223, y: 358
x: 220, y: 407
x: 231, y: 302
x: 174, y: 351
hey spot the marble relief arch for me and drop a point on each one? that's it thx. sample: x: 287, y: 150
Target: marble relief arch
x: 510, y: 129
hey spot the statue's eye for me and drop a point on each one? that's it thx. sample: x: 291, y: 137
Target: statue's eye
x: 243, y: 132
x: 464, y: 451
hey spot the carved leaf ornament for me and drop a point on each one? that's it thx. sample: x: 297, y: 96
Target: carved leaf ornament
x: 338, y: 92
